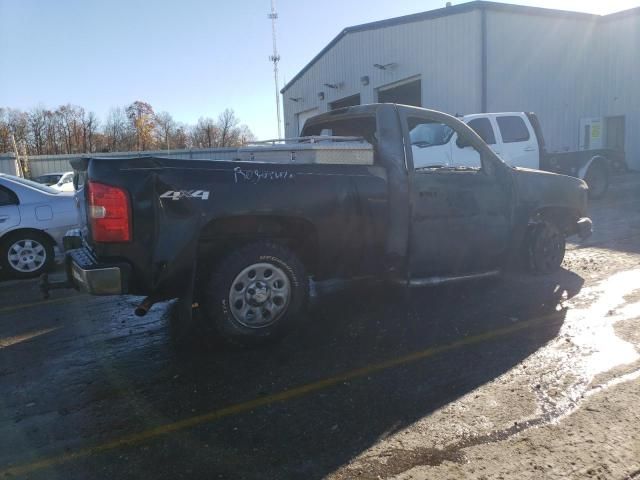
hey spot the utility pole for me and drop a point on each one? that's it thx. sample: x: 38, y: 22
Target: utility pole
x: 275, y: 58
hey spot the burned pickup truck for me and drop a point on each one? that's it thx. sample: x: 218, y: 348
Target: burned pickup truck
x: 241, y: 237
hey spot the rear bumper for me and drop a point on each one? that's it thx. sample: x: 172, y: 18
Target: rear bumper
x: 585, y: 227
x: 85, y: 274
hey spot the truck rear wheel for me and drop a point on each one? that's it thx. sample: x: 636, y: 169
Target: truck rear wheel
x: 597, y: 179
x: 256, y: 294
x: 546, y: 245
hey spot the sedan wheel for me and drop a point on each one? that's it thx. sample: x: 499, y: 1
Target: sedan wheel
x: 27, y: 255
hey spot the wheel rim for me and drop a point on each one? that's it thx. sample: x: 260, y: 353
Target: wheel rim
x: 549, y: 249
x: 27, y: 256
x: 259, y: 295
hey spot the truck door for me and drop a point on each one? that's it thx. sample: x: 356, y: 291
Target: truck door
x: 460, y: 215
x: 518, y: 142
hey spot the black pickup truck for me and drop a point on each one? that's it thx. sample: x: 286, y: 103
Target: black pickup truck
x: 240, y: 239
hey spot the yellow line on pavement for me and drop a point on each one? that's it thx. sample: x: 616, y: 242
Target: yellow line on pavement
x: 160, y: 430
x: 53, y: 301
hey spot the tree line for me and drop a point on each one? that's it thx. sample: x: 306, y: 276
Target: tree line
x: 135, y: 127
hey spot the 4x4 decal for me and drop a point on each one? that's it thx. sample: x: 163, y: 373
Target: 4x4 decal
x: 180, y: 194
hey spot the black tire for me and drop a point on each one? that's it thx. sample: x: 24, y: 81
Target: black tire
x: 546, y: 246
x: 597, y: 179
x: 37, y: 249
x: 276, y: 269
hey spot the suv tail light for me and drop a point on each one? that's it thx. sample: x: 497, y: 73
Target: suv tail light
x: 109, y: 213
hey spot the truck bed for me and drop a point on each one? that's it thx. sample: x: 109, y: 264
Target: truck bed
x: 177, y: 205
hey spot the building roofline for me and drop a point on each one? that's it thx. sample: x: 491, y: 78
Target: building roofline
x: 622, y: 14
x: 444, y: 12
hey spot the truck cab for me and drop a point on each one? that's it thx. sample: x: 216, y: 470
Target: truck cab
x: 510, y: 135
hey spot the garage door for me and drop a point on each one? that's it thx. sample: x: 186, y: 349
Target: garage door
x: 408, y: 93
x: 304, y: 116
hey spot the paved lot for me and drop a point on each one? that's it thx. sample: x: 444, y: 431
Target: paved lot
x: 515, y: 378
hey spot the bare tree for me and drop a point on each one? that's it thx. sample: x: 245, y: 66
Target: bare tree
x: 37, y: 124
x: 18, y: 123
x: 70, y: 118
x: 245, y: 135
x: 50, y: 133
x: 71, y: 129
x: 89, y: 127
x: 142, y: 119
x: 205, y: 134
x: 5, y: 133
x: 227, y: 123
x: 165, y: 130
x: 115, y: 130
x: 181, y: 138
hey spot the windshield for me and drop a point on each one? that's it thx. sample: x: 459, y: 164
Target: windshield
x: 35, y: 185
x: 430, y: 134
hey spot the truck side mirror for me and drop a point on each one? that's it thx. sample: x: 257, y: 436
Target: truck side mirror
x: 462, y: 142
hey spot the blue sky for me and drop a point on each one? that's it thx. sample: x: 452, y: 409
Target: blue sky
x: 191, y: 58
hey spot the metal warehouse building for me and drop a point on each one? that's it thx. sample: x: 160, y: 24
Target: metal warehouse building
x: 579, y: 72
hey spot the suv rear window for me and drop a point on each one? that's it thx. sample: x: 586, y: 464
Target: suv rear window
x: 482, y: 126
x: 513, y: 129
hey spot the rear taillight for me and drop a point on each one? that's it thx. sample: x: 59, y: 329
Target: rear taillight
x: 109, y: 213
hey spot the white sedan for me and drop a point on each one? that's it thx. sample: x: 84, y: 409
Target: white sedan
x: 33, y: 220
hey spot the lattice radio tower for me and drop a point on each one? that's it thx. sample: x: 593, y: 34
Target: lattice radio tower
x: 275, y: 58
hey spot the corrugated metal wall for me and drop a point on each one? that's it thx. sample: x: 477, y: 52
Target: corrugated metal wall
x: 619, y: 83
x: 546, y: 65
x: 8, y: 165
x: 42, y: 164
x: 426, y: 49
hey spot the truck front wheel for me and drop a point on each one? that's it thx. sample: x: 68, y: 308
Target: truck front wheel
x: 546, y: 245
x: 256, y: 294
